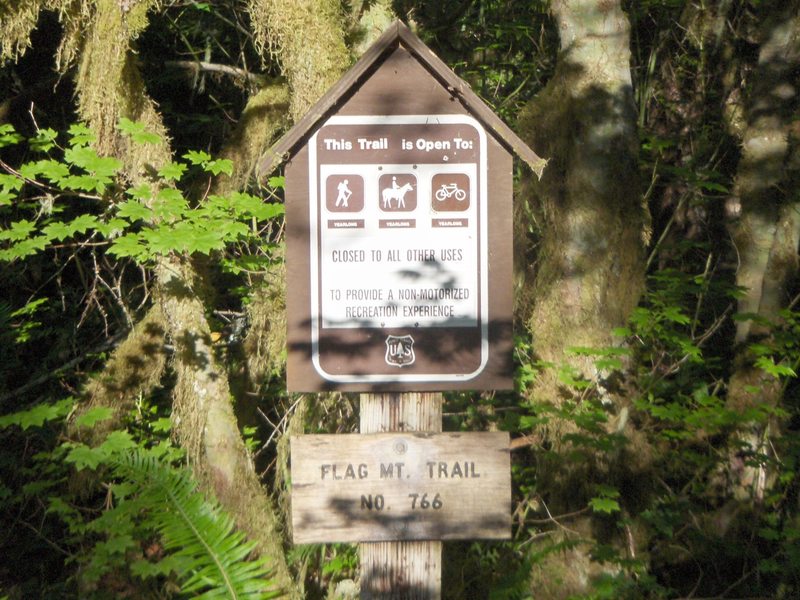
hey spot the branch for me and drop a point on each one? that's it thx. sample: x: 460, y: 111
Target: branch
x: 199, y: 65
x: 108, y: 344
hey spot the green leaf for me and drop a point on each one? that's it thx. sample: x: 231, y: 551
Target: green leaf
x: 607, y: 490
x: 162, y: 425
x: 204, y: 242
x: 133, y: 210
x: 44, y: 140
x: 83, y: 457
x: 712, y: 186
x: 172, y: 171
x: 10, y: 182
x: 94, y: 416
x: 170, y: 204
x: 674, y: 314
x: 141, y: 192
x: 80, y: 135
x: 19, y: 230
x: 137, y: 132
x: 603, y: 504
x: 229, y: 230
x: 83, y: 223
x: 129, y: 244
x: 197, y: 157
x: 58, y: 231
x: 277, y: 182
x: 8, y: 135
x: 38, y: 415
x: 25, y: 248
x: 53, y: 170
x: 768, y: 364
x: 163, y: 240
x: 220, y: 165
x: 112, y: 228
x: 101, y: 168
x: 247, y: 205
x: 117, y: 441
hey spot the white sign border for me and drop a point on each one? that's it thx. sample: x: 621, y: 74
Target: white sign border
x: 313, y: 203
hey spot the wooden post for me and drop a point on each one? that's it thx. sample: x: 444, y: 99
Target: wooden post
x: 401, y: 570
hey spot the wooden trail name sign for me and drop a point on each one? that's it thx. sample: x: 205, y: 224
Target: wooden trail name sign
x: 400, y: 486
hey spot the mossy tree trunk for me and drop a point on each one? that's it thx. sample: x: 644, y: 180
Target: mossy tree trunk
x: 587, y: 210
x: 587, y: 227
x: 767, y: 231
x: 110, y: 87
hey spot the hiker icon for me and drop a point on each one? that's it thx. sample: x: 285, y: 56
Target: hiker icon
x: 344, y: 193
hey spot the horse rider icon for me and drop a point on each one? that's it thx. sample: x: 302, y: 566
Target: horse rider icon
x: 344, y: 194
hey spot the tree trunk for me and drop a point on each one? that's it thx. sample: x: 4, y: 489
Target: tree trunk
x: 592, y: 229
x: 588, y: 213
x: 767, y: 232
x: 110, y: 87
x: 205, y: 423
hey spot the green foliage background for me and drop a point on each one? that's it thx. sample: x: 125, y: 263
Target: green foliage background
x: 78, y: 241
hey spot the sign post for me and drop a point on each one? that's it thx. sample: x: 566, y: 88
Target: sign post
x: 398, y: 212
x: 408, y: 569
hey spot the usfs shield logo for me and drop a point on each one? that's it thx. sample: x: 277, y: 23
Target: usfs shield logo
x: 400, y: 350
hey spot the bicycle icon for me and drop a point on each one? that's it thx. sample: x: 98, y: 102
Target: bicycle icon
x: 448, y: 190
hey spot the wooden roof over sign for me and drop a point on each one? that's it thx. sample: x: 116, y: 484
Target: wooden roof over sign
x: 398, y: 34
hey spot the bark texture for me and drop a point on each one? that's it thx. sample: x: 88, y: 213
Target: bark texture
x: 767, y: 233
x: 587, y: 209
x: 591, y: 231
x: 110, y: 87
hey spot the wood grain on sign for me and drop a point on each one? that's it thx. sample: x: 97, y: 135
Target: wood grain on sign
x: 400, y: 486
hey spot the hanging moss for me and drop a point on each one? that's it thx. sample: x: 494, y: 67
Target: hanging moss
x: 110, y: 87
x: 16, y: 24
x: 265, y: 343
x: 263, y: 118
x: 307, y: 38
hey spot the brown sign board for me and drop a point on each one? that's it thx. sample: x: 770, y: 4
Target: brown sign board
x: 399, y: 230
x: 400, y: 486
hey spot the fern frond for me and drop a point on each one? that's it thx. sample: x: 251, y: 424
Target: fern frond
x: 198, y: 533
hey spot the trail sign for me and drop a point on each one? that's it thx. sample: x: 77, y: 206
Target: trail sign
x: 398, y: 213
x: 399, y: 260
x: 400, y: 486
x: 398, y: 210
